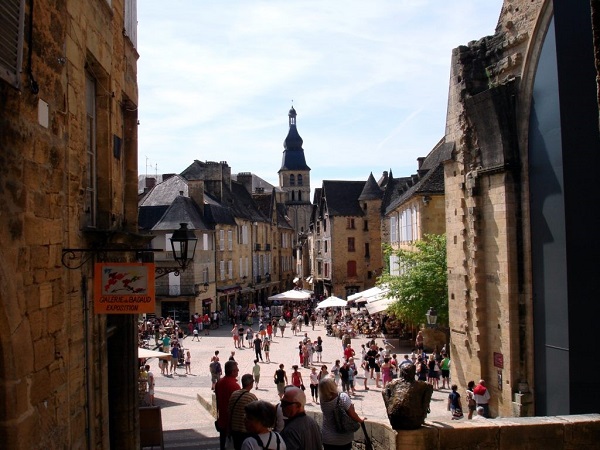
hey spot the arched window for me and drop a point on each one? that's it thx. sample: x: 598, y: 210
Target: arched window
x: 293, y: 195
x: 299, y: 179
x: 292, y: 180
x: 299, y: 192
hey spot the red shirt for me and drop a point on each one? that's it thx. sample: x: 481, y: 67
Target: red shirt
x: 348, y: 352
x: 223, y: 390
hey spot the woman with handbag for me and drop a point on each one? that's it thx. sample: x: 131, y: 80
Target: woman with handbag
x: 340, y: 420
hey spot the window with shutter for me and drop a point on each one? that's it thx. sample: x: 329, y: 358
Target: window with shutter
x: 12, y: 19
x: 90, y: 179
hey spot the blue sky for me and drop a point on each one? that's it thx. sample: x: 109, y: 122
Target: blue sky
x: 369, y: 81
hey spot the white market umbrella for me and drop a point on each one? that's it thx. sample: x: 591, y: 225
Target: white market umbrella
x: 293, y: 295
x: 146, y: 353
x: 331, y: 302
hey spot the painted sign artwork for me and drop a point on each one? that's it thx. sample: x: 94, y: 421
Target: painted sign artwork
x: 124, y: 288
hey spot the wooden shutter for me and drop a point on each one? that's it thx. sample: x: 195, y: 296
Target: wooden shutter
x: 12, y: 18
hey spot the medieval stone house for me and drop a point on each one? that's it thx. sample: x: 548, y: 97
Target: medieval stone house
x: 520, y: 188
x: 345, y: 237
x: 68, y: 140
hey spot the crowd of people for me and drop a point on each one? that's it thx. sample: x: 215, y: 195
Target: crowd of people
x: 252, y: 424
x: 331, y: 388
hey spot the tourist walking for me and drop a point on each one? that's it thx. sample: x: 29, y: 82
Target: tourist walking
x: 256, y: 373
x: 297, y: 378
x: 267, y: 349
x: 282, y: 324
x: 454, y: 404
x: 482, y: 397
x: 281, y: 380
x: 331, y: 400
x: 223, y: 390
x: 215, y: 371
x: 235, y: 335
x: 188, y: 362
x: 258, y: 347
x: 471, y: 403
x: 319, y: 349
x: 314, y: 384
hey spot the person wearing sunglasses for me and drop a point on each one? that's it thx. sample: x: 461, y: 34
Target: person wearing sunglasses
x: 300, y: 432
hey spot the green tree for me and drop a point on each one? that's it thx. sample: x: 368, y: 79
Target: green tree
x: 423, y: 280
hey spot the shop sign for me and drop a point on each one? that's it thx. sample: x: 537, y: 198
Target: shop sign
x: 498, y: 360
x: 124, y: 288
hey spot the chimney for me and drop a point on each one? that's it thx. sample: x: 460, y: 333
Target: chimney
x: 150, y: 183
x: 196, y: 192
x: 245, y: 179
x: 420, y: 160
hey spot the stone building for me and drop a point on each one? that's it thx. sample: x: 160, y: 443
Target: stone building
x: 161, y: 211
x: 68, y: 140
x: 414, y: 206
x: 294, y: 181
x: 345, y: 237
x: 245, y: 243
x: 523, y: 119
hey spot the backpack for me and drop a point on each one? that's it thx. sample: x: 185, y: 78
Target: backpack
x: 260, y: 443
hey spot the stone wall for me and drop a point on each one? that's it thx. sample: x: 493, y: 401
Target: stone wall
x: 54, y: 361
x: 562, y: 432
x: 484, y: 187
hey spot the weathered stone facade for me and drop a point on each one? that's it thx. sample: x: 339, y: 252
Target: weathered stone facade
x: 56, y: 354
x: 505, y: 326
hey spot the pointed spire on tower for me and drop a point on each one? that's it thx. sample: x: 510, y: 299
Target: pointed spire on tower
x: 371, y: 191
x: 293, y: 154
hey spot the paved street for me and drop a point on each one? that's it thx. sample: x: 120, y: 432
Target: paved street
x: 188, y: 425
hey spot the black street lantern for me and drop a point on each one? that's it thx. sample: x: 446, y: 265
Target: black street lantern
x: 183, y: 243
x: 431, y: 317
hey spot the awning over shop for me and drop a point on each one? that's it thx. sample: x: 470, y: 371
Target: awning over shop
x: 147, y: 353
x: 361, y: 297
x: 380, y: 305
x: 229, y: 289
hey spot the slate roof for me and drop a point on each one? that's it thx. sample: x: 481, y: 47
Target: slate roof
x: 264, y: 202
x: 153, y: 205
x: 148, y: 216
x: 342, y: 197
x: 258, y: 182
x: 282, y: 218
x: 182, y: 210
x: 371, y: 190
x: 165, y: 192
x: 216, y: 214
x: 429, y: 180
x: 242, y: 204
x: 194, y: 171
